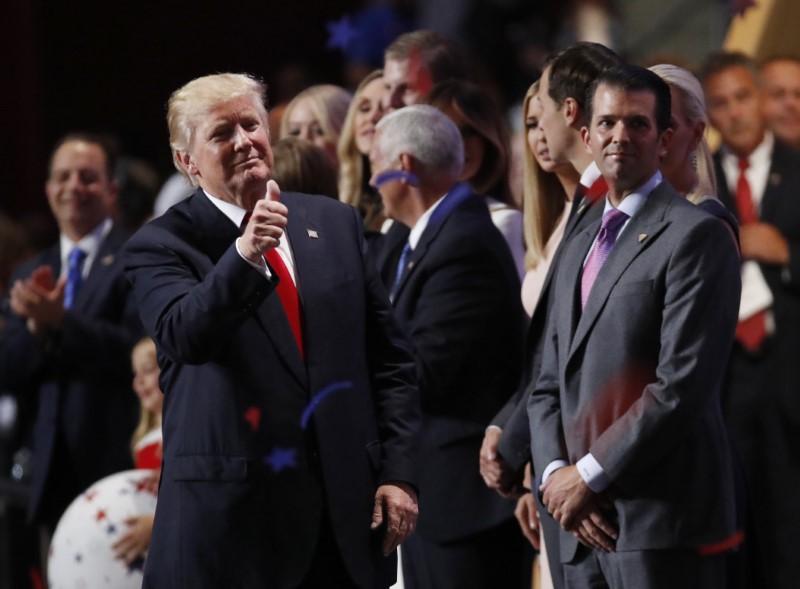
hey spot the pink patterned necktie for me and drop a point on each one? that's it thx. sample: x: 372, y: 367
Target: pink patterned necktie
x: 612, y: 222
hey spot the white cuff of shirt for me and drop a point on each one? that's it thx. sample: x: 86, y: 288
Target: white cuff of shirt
x: 593, y: 474
x: 552, y: 467
x: 261, y: 266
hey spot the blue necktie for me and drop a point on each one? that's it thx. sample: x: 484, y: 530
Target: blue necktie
x: 401, y: 266
x: 74, y: 276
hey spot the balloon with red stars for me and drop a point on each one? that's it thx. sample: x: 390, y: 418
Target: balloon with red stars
x: 80, y: 554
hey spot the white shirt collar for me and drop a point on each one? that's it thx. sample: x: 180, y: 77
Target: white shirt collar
x: 419, y: 227
x: 234, y: 212
x: 590, y: 175
x: 631, y: 204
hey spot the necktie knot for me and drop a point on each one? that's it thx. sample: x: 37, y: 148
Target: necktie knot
x: 744, y: 163
x: 612, y: 221
x: 77, y: 257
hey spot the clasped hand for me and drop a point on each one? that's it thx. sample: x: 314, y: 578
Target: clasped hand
x: 39, y: 299
x: 578, y: 509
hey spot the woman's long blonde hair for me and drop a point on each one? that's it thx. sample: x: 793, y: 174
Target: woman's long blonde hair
x: 354, y: 166
x: 693, y: 104
x: 543, y: 197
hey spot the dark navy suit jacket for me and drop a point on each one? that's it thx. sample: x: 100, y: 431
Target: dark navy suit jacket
x: 459, y: 304
x: 81, y: 374
x: 259, y: 444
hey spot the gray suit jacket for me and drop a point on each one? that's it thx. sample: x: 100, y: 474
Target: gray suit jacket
x: 634, y: 378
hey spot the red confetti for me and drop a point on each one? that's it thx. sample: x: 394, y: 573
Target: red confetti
x: 253, y: 417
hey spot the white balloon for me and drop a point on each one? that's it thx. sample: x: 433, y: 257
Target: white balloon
x: 80, y: 553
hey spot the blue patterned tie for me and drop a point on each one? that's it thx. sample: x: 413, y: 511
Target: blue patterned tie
x: 74, y: 276
x: 401, y: 266
x: 613, y: 220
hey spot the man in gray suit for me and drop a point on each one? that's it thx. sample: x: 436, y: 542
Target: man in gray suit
x: 627, y: 436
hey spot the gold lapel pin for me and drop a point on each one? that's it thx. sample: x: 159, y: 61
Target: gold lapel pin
x: 312, y: 234
x: 642, y: 237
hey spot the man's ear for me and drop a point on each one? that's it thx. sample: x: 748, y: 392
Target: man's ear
x: 185, y: 159
x: 572, y: 111
x: 587, y: 141
x: 663, y: 142
x: 407, y: 163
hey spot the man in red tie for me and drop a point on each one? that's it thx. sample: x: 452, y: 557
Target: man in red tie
x: 291, y: 408
x: 759, y: 181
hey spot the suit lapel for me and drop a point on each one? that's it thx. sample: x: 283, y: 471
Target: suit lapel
x: 774, y: 185
x: 585, y: 214
x: 462, y: 195
x: 217, y: 233
x: 102, y: 268
x: 642, y: 230
x: 271, y: 312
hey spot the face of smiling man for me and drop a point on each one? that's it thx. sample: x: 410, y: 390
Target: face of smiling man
x: 230, y: 153
x: 624, y: 139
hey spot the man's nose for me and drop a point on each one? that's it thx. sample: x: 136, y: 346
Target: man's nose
x: 242, y: 139
x: 73, y: 182
x: 621, y: 134
x: 377, y: 113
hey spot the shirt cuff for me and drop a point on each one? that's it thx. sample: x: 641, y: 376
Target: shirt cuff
x: 593, y: 474
x: 552, y: 467
x: 261, y: 266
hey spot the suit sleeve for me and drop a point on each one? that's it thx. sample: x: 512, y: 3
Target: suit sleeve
x: 105, y: 336
x: 189, y: 305
x: 544, y: 408
x: 393, y: 381
x: 700, y: 310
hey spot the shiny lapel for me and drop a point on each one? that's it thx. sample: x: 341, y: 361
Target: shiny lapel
x: 217, y: 234
x: 461, y: 194
x: 102, y: 268
x: 271, y: 312
x: 649, y: 222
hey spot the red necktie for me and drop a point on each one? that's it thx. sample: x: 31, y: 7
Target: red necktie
x: 752, y: 331
x: 287, y: 292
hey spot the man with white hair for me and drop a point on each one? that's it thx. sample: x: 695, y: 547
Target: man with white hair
x: 455, y: 291
x: 290, y: 410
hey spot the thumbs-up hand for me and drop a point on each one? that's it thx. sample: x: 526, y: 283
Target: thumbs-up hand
x: 266, y: 225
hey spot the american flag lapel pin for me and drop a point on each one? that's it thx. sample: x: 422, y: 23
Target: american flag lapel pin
x: 107, y: 260
x: 312, y: 234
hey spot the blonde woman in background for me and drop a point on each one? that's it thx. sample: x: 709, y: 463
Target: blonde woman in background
x: 547, y: 192
x: 688, y: 164
x: 317, y: 115
x: 366, y: 109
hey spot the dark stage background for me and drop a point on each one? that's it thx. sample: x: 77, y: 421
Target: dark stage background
x: 111, y: 66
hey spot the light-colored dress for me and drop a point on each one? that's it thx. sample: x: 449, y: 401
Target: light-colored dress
x: 534, y: 279
x: 509, y: 221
